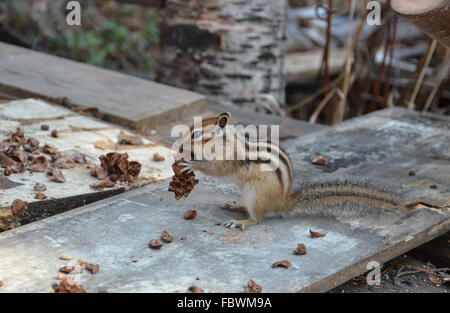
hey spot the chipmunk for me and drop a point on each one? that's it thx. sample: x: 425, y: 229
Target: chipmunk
x: 267, y: 192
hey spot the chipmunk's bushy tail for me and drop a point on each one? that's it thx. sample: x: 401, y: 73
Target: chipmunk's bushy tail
x: 345, y: 196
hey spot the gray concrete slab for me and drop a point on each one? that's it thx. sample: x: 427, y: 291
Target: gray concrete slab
x: 115, y: 232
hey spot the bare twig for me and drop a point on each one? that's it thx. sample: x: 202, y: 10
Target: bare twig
x: 377, y: 83
x: 429, y: 272
x: 438, y: 81
x: 391, y: 43
x: 326, y: 50
x: 411, y: 104
x: 322, y: 104
x: 338, y: 114
x: 313, y: 96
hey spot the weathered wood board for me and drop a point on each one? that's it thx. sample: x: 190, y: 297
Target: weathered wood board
x: 77, y: 134
x: 303, y: 66
x: 115, y: 232
x: 132, y: 102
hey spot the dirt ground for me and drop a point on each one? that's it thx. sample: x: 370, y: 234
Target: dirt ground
x: 401, y: 279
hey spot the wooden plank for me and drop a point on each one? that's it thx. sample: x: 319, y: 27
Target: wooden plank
x: 157, y: 4
x: 300, y: 66
x: 77, y: 134
x: 289, y: 128
x: 114, y: 233
x: 126, y: 100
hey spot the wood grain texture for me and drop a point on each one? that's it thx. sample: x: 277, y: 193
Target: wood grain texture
x: 126, y: 100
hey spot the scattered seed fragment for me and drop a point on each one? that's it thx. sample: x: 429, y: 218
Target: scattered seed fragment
x: 19, y: 207
x: 154, y: 244
x: 252, y: 287
x: 316, y: 234
x: 40, y: 196
x: 190, y: 214
x: 301, y: 249
x: 183, y: 238
x: 71, y: 269
x: 65, y: 257
x: 1, y: 283
x: 67, y: 286
x: 55, y: 133
x: 196, y: 289
x: 93, y: 268
x: 56, y: 175
x: 60, y: 276
x: 158, y: 157
x: 45, y: 127
x: 40, y: 187
x: 285, y: 264
x: 412, y: 173
x: 319, y: 160
x: 166, y: 237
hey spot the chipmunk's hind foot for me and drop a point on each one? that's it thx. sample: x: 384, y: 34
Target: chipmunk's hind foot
x: 239, y: 223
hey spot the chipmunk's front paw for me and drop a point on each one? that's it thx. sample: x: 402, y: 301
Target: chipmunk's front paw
x: 190, y: 165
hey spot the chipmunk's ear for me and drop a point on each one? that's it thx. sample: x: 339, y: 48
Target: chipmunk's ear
x: 223, y: 118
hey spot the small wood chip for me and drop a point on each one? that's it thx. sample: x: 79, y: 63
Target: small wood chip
x: 316, y: 234
x: 154, y: 244
x: 319, y: 160
x: 166, y: 237
x: 158, y: 157
x: 19, y: 207
x: 285, y: 264
x: 45, y: 127
x: 196, y: 289
x: 81, y: 262
x: 412, y: 173
x: 93, y: 268
x: 301, y: 249
x: 65, y: 257
x: 55, y: 133
x: 189, y: 215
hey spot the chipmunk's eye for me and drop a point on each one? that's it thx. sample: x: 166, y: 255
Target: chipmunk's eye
x: 196, y: 134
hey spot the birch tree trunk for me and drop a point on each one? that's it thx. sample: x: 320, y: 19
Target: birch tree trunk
x: 229, y: 50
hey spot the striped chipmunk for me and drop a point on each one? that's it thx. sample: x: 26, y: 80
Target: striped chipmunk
x: 263, y: 173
